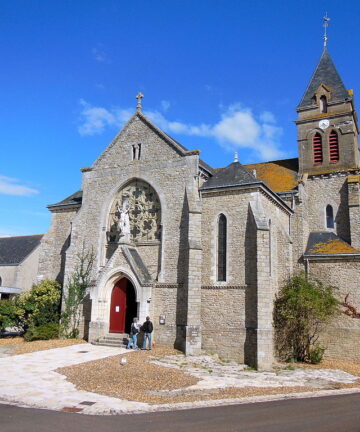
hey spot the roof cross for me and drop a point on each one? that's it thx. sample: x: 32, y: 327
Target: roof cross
x: 326, y: 20
x: 139, y: 97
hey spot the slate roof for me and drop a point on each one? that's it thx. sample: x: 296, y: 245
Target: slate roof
x: 234, y: 174
x: 327, y: 243
x: 280, y: 176
x: 74, y: 199
x: 13, y: 250
x: 325, y: 73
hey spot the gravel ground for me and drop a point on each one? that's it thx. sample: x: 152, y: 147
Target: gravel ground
x: 139, y: 380
x: 22, y: 347
x: 349, y: 367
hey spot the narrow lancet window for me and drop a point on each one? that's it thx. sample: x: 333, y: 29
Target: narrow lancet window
x: 323, y: 104
x: 333, y: 146
x: 221, y: 249
x: 317, y: 149
x: 329, y: 217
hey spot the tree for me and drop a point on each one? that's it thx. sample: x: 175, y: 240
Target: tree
x: 302, y: 308
x: 74, y: 295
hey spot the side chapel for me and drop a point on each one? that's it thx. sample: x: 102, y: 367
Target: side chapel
x: 204, y: 251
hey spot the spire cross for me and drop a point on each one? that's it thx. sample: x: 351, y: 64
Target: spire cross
x: 325, y: 25
x: 139, y: 97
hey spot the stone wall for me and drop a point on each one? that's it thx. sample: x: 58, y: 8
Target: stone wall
x: 54, y: 246
x: 321, y: 191
x: 8, y: 275
x: 27, y: 272
x: 342, y: 336
x: 21, y: 276
x: 254, y: 262
x: 223, y: 320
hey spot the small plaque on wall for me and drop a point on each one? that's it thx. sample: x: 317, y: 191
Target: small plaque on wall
x: 162, y: 319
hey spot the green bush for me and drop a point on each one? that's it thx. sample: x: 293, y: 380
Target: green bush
x: 316, y: 355
x: 302, y: 308
x: 11, y: 314
x: 41, y: 304
x: 42, y: 332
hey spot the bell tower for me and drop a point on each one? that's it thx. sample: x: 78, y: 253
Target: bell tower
x: 327, y: 122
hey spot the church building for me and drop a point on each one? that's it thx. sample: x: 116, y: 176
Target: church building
x: 202, y: 250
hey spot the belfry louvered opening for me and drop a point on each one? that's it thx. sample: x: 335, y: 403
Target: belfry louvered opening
x: 333, y: 146
x: 317, y: 149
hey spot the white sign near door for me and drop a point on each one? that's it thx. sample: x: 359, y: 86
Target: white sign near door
x: 117, y: 308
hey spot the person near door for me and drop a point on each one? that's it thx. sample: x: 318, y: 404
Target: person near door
x: 134, y: 330
x: 147, y: 328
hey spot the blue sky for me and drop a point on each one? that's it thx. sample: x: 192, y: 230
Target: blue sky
x: 218, y: 76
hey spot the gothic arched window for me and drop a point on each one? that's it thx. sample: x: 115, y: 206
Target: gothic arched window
x: 0, y: 281
x: 221, y: 249
x: 329, y: 217
x: 333, y: 146
x: 317, y: 149
x: 323, y: 104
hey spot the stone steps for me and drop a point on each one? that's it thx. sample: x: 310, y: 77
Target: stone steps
x: 113, y: 339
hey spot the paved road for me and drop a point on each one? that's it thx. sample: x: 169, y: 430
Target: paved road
x: 326, y: 414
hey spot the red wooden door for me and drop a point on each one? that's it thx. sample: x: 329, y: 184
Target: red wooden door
x: 118, y: 307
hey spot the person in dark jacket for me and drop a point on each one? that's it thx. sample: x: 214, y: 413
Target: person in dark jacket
x: 147, y: 328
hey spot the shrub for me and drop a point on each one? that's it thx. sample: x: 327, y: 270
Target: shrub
x: 11, y: 314
x: 41, y: 304
x: 42, y: 332
x: 302, y: 308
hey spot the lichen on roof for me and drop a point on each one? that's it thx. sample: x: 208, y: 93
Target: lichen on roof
x: 280, y: 176
x: 332, y: 246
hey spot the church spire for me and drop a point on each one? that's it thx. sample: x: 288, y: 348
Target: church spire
x: 327, y: 75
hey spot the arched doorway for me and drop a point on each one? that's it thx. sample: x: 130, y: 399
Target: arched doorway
x: 123, y: 307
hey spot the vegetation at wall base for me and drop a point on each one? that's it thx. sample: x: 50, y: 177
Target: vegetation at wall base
x: 75, y: 293
x: 302, y: 309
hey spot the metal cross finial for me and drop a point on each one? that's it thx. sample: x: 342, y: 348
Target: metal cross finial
x: 139, y: 97
x: 236, y: 157
x: 325, y: 25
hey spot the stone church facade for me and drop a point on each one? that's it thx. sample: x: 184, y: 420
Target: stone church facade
x: 204, y: 251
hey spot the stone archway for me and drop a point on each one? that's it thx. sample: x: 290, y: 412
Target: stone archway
x: 123, y: 306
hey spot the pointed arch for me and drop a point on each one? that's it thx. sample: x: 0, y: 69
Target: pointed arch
x: 330, y: 223
x: 317, y: 149
x: 333, y: 146
x: 221, y: 248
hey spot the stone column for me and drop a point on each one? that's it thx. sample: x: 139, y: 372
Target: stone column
x: 265, y: 304
x: 193, y: 328
x: 354, y: 209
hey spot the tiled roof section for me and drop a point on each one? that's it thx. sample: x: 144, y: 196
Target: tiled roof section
x: 280, y: 176
x: 325, y: 73
x: 74, y: 199
x: 234, y: 174
x: 13, y: 250
x: 328, y: 243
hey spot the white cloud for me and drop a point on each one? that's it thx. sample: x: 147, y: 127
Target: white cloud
x: 165, y: 105
x: 99, y: 54
x: 267, y: 117
x: 237, y: 128
x: 11, y: 186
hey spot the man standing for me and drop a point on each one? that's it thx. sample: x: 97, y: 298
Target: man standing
x: 147, y: 328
